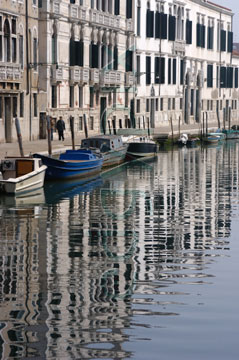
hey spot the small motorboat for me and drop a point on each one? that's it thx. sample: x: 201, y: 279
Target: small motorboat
x: 72, y: 164
x: 213, y: 137
x: 110, y: 146
x: 21, y: 174
x: 140, y: 147
x: 183, y: 139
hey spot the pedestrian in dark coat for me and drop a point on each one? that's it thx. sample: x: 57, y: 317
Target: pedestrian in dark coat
x: 60, y: 125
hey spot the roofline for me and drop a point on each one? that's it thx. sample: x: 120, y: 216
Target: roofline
x: 217, y: 5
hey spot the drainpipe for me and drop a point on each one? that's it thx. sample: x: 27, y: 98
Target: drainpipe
x: 27, y: 45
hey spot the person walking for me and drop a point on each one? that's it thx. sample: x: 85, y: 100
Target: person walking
x: 60, y: 125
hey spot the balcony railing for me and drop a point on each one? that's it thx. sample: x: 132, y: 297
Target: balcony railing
x: 85, y: 75
x: 106, y: 20
x: 10, y: 72
x: 94, y: 76
x: 178, y: 46
x: 73, y: 11
x: 56, y: 73
x: 110, y: 77
x: 75, y: 74
x: 129, y: 79
x: 129, y: 25
x: 55, y: 7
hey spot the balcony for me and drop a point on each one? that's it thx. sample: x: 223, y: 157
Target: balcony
x: 75, y: 74
x: 55, y: 8
x: 110, y: 77
x: 56, y: 73
x: 82, y: 14
x: 106, y: 20
x: 94, y: 76
x: 129, y: 79
x: 73, y: 11
x: 178, y: 46
x: 10, y: 73
x: 85, y: 75
x: 129, y: 25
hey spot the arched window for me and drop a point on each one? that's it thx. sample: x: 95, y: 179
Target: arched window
x: 7, y: 50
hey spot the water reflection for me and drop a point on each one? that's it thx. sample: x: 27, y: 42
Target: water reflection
x: 88, y: 262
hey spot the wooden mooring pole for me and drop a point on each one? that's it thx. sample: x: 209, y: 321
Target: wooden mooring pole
x: 19, y: 136
x: 48, y: 124
x: 72, y: 132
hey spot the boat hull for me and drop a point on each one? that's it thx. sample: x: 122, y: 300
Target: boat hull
x: 114, y: 157
x: 231, y: 134
x: 63, y: 169
x: 141, y: 149
x: 25, y: 183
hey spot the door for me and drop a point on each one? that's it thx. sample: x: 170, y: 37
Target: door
x: 8, y: 119
x: 103, y: 115
x: 42, y: 125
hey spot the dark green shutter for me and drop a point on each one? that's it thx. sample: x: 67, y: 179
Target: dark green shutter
x: 188, y: 32
x: 72, y: 52
x: 115, y: 58
x: 229, y: 41
x: 156, y: 70
x: 198, y: 34
x: 148, y: 70
x: 169, y: 71
x: 174, y: 71
x: 117, y: 7
x: 236, y: 78
x: 171, y: 27
x: 149, y: 23
x: 223, y: 40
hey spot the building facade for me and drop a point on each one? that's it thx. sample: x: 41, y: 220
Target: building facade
x: 185, y: 73
x: 114, y: 64
x: 18, y: 71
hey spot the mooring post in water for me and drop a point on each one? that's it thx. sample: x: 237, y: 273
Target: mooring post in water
x: 48, y: 124
x: 206, y: 122
x: 143, y: 122
x: 19, y: 136
x: 171, y: 121
x: 85, y: 126
x: 229, y: 117
x: 179, y: 130
x: 203, y: 124
x: 72, y: 132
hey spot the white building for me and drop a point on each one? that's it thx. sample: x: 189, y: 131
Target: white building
x: 184, y: 65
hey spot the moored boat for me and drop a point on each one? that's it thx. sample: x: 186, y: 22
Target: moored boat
x: 110, y: 146
x: 140, y: 147
x: 21, y: 174
x: 231, y: 133
x: 72, y: 164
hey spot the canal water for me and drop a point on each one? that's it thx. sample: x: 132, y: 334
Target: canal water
x: 139, y: 263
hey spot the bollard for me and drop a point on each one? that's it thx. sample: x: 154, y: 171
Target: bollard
x: 19, y: 136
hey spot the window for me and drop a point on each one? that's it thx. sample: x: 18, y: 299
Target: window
x: 181, y: 103
x: 80, y: 123
x: 126, y: 98
x: 117, y: 7
x: 21, y: 59
x: 157, y: 105
x: 147, y: 105
x: 188, y: 31
x: 138, y: 106
x: 35, y: 53
x: 129, y: 9
x: 35, y: 105
x: 209, y: 76
x: 21, y: 104
x: 148, y: 70
x: 169, y: 104
x: 210, y: 33
x: 14, y: 106
x: 54, y: 48
x: 169, y: 71
x: 71, y: 96
x: 91, y: 97
x: 6, y: 41
x: 14, y: 50
x: 149, y: 23
x: 161, y: 104
x: 138, y: 69
x: 91, y: 122
x: 173, y: 104
x: 80, y: 96
x: 54, y: 96
x: 138, y: 20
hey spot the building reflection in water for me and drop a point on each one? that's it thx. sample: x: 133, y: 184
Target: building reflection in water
x: 75, y: 269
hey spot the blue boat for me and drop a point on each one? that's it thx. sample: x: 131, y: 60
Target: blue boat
x: 72, y: 164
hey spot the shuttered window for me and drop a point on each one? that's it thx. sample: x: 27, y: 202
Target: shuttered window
x: 148, y: 70
x: 181, y: 71
x: 223, y: 76
x: 149, y: 23
x: 156, y: 70
x: 229, y: 41
x: 229, y: 77
x: 169, y: 71
x: 210, y: 38
x: 223, y: 40
x: 161, y: 25
x: 210, y: 76
x: 94, y: 55
x: 129, y: 60
x: 159, y: 70
x: 171, y: 27
x: 115, y: 58
x: 128, y: 9
x: 188, y: 32
x: 174, y: 71
x: 200, y: 35
x: 117, y: 7
x: 236, y: 78
x: 79, y: 53
x: 72, y: 52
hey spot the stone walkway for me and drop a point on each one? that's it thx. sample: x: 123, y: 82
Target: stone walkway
x: 30, y: 147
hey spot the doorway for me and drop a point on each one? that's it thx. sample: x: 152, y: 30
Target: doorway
x: 8, y: 119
